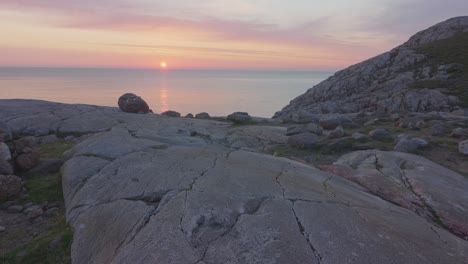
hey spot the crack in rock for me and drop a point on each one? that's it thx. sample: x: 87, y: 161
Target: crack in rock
x: 304, y: 233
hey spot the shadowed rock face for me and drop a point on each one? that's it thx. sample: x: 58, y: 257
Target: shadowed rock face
x: 151, y: 189
x: 407, y: 78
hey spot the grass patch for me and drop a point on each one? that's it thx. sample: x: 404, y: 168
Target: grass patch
x: 45, y: 188
x: 55, y: 150
x: 37, y: 251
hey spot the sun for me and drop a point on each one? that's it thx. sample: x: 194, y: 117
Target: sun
x: 163, y: 65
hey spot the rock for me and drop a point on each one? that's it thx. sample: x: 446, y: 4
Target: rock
x: 304, y: 140
x: 189, y: 115
x: 5, y: 154
x: 299, y: 129
x: 203, y: 115
x: 6, y: 168
x: 45, y: 166
x: 460, y: 133
x: 69, y: 138
x: 131, y: 103
x: 371, y: 122
x: 380, y: 134
x: 28, y: 159
x: 430, y: 190
x: 5, y: 132
x: 338, y: 145
x: 52, y: 212
x: 31, y: 209
x: 438, y: 129
x: 400, y: 80
x: 411, y: 123
x: 10, y: 187
x: 25, y: 142
x: 48, y: 139
x: 2, y: 229
x: 407, y: 144
x: 36, y: 213
x: 239, y: 117
x: 463, y: 147
x: 332, y: 121
x: 15, y: 209
x: 55, y: 244
x: 301, y: 117
x: 359, y: 136
x: 171, y: 113
x: 338, y: 132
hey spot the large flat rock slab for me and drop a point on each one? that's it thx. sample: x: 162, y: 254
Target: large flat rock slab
x: 154, y: 189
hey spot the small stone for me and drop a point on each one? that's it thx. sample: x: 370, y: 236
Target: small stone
x: 463, y: 147
x: 380, y: 134
x: 359, y: 136
x: 52, y: 212
x: 10, y: 187
x: 406, y: 144
x: 2, y: 229
x: 203, y: 115
x: 6, y: 168
x: 371, y: 122
x: 338, y: 132
x: 15, y: 209
x: 25, y: 143
x: 304, y: 140
x: 239, y: 117
x: 460, y: 133
x: 35, y: 213
x: 171, y: 113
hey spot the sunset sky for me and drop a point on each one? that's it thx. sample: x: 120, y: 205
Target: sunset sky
x: 294, y: 34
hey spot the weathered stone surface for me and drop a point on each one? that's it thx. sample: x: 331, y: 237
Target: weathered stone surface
x: 152, y: 189
x: 28, y: 159
x: 408, y: 144
x: 5, y: 132
x: 189, y: 115
x: 203, y: 115
x: 460, y: 132
x: 239, y: 117
x: 463, y: 147
x: 171, y: 113
x: 10, y: 186
x: 131, y: 103
x: 304, y: 140
x: 336, y: 133
x: 5, y: 154
x: 380, y: 134
x: 299, y: 129
x: 332, y: 121
x: 410, y: 181
x: 386, y: 82
x: 439, y: 129
x: 6, y: 168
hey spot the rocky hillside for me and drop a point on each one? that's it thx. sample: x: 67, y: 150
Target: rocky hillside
x: 427, y: 73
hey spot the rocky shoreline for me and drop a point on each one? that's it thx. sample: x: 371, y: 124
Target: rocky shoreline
x: 144, y: 188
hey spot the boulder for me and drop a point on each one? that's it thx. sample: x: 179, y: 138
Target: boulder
x: 463, y: 147
x: 359, y: 136
x: 28, y: 159
x: 6, y: 168
x: 131, y: 103
x: 5, y: 154
x: 410, y: 181
x: 189, y: 115
x: 202, y: 115
x: 239, y: 117
x: 460, y: 133
x: 304, y: 140
x: 171, y: 113
x: 48, y: 139
x: 10, y: 187
x: 330, y: 122
x: 299, y: 129
x: 5, y: 132
x: 439, y: 129
x: 338, y: 132
x: 407, y: 144
x: 45, y: 166
x: 380, y: 135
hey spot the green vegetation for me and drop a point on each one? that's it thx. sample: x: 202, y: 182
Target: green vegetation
x: 45, y: 188
x: 450, y: 51
x: 38, y: 251
x: 55, y: 150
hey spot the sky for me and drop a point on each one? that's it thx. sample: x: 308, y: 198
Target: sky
x: 214, y: 34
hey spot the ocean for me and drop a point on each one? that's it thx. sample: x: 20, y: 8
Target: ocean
x: 218, y: 92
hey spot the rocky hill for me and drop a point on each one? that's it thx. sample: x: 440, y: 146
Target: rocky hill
x: 427, y: 73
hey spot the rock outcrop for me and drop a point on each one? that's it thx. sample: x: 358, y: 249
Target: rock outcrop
x: 132, y: 103
x: 427, y: 73
x: 152, y: 189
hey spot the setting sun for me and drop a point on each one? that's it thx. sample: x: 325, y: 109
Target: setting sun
x: 163, y: 65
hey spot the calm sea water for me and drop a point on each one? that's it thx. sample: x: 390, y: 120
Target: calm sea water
x: 218, y: 92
